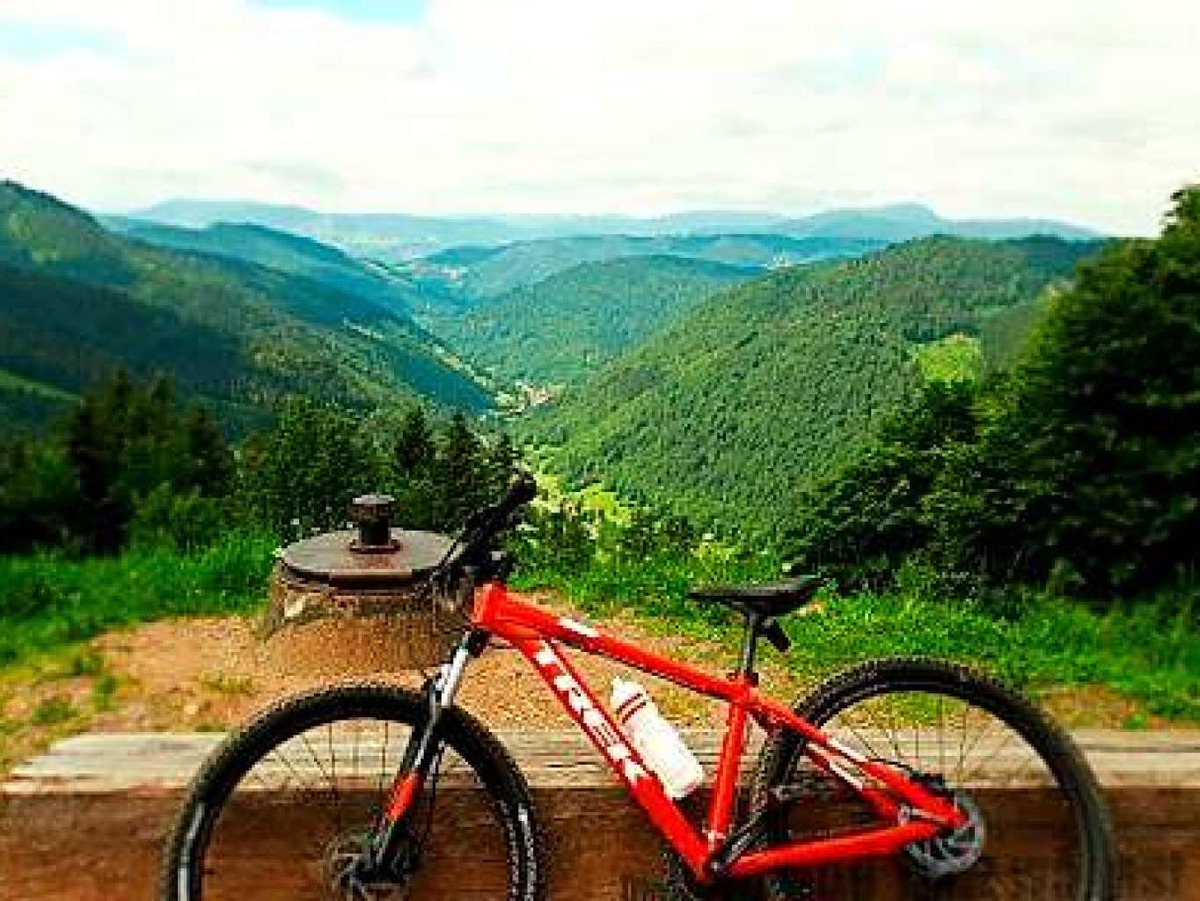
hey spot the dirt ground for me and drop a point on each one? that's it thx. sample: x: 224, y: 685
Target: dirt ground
x: 212, y: 674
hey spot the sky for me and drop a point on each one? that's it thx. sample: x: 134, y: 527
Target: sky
x: 1086, y: 110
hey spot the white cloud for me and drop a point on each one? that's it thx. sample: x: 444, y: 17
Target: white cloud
x: 1082, y: 109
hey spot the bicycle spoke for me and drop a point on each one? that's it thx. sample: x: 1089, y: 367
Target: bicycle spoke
x: 1027, y: 833
x: 892, y: 737
x: 941, y: 735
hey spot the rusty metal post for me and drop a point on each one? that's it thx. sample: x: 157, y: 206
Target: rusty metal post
x: 372, y: 513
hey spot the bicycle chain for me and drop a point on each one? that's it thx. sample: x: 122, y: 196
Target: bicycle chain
x: 810, y: 787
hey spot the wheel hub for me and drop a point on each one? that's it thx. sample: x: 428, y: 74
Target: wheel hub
x: 350, y: 874
x: 951, y: 853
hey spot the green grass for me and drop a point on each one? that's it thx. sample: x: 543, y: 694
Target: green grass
x: 955, y: 358
x: 49, y: 603
x: 230, y: 686
x: 104, y: 692
x: 1141, y: 651
x: 52, y: 600
x: 53, y: 712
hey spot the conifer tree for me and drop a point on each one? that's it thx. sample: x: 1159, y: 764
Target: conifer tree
x: 211, y: 466
x: 459, y: 470
x: 500, y: 464
x: 414, y: 451
x: 99, y: 520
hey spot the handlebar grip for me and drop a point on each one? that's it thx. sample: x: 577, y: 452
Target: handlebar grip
x: 487, y: 522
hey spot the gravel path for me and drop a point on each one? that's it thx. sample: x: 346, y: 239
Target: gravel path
x: 213, y: 673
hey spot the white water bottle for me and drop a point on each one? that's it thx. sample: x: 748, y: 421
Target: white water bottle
x: 656, y: 741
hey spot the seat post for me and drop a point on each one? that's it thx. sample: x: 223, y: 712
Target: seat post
x: 749, y: 644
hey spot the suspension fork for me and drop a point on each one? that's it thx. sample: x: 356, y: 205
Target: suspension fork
x: 423, y: 750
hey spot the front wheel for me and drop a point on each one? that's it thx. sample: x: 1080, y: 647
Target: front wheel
x: 285, y: 808
x: 1037, y: 826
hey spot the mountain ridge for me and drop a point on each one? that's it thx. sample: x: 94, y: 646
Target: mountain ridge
x: 288, y: 252
x: 291, y: 334
x: 403, y: 236
x: 481, y: 272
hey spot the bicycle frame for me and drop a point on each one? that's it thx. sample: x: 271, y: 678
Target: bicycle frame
x: 909, y: 811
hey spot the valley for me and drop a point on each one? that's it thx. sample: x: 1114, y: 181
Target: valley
x: 927, y: 423
x: 694, y: 369
x: 798, y: 358
x: 729, y: 412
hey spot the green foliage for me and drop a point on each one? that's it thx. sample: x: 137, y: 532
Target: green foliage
x: 309, y: 468
x: 1096, y: 445
x: 59, y: 337
x: 730, y: 414
x: 53, y: 711
x: 1143, y: 652
x: 188, y: 521
x: 302, y: 476
x: 609, y: 556
x: 125, y: 444
x: 415, y: 451
x: 490, y: 272
x: 295, y: 255
x: 79, y: 300
x: 861, y: 525
x: 38, y: 494
x: 128, y: 465
x: 565, y: 327
x: 414, y: 464
x: 49, y: 599
x: 1080, y: 471
x: 955, y: 358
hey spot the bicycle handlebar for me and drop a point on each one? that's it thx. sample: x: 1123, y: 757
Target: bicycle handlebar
x: 521, y: 491
x: 485, y: 524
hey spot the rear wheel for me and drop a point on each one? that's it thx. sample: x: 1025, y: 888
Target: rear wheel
x: 1037, y: 825
x: 285, y: 809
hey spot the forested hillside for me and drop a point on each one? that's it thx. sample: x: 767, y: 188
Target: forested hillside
x: 565, y: 327
x: 782, y: 380
x: 58, y: 336
x: 1080, y: 470
x: 78, y: 298
x: 486, y: 272
x: 289, y: 253
x: 393, y: 235
x: 257, y: 244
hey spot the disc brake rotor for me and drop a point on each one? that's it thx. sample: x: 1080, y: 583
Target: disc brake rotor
x: 344, y: 870
x: 955, y: 852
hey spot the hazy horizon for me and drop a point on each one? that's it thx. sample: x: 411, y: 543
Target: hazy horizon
x: 501, y: 214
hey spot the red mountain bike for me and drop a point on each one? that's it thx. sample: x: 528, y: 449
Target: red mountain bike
x: 898, y: 778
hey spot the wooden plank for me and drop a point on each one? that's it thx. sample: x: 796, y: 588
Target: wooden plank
x: 85, y: 822
x: 121, y: 762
